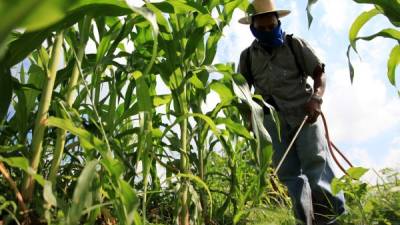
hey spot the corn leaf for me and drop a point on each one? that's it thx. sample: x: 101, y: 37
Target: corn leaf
x: 223, y: 91
x: 81, y: 192
x: 129, y: 198
x: 391, y: 9
x: 308, y: 9
x: 6, y: 89
x: 356, y: 172
x: 358, y: 24
x: 386, y: 33
x: 88, y: 140
x: 394, y: 60
x: 28, y: 41
x: 237, y: 128
x: 23, y: 163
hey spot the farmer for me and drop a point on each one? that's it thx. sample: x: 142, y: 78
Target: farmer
x: 277, y: 66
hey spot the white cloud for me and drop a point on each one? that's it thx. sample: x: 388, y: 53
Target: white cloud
x: 338, y: 14
x: 360, y: 111
x: 292, y: 21
x: 392, y: 160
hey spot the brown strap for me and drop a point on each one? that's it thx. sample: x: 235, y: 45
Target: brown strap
x: 331, y: 146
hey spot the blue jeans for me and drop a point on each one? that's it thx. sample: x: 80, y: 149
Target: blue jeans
x: 306, y: 171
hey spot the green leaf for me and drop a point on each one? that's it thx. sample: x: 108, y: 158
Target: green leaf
x: 356, y: 172
x: 23, y: 163
x: 19, y: 162
x: 208, y: 120
x: 113, y: 166
x: 351, y: 68
x: 263, y: 148
x: 359, y: 23
x: 390, y: 8
x: 36, y: 78
x: 193, y: 41
x: 6, y: 91
x: 336, y: 186
x: 143, y: 95
x: 161, y: 100
x: 29, y: 41
x: 129, y: 198
x: 88, y: 140
x: 8, y: 149
x: 223, y: 91
x: 394, y: 60
x: 148, y: 15
x: 229, y: 8
x: 237, y: 128
x: 211, y: 47
x: 386, y: 33
x: 46, y: 14
x: 152, y: 19
x: 48, y: 194
x: 157, y: 8
x: 204, y: 20
x: 81, y: 191
x: 106, y: 41
x: 196, y: 82
x: 308, y: 9
x: 184, y: 6
x: 13, y: 13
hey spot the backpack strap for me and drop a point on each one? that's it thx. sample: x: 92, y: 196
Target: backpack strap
x: 249, y: 76
x: 289, y: 38
x: 250, y: 80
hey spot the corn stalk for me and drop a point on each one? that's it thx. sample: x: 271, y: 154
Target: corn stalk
x: 69, y: 97
x: 42, y: 115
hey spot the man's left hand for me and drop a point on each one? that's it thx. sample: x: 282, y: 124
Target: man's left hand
x: 313, y: 109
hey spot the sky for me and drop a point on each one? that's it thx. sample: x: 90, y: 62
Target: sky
x: 363, y: 117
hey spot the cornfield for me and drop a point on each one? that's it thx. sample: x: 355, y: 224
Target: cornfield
x: 104, y: 118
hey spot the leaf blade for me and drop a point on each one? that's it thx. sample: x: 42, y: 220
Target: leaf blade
x: 394, y: 60
x: 358, y: 24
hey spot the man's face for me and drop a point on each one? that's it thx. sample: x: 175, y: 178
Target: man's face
x: 265, y: 22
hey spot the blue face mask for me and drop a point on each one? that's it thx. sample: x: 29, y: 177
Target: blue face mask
x: 272, y: 38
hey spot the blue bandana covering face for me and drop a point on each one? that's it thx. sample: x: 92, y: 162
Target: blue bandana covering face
x: 272, y: 38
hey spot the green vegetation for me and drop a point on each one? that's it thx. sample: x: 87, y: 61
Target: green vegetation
x: 89, y: 138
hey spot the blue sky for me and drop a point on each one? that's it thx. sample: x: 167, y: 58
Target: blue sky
x: 363, y: 117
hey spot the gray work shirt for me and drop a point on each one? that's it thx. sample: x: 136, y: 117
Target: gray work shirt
x: 276, y: 75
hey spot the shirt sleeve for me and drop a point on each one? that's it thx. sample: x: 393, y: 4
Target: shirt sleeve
x: 308, y: 57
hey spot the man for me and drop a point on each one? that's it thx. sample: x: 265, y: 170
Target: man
x: 277, y: 65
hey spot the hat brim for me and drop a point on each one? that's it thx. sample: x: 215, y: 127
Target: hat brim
x: 247, y: 19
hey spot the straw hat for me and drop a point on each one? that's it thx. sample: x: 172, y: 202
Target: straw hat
x: 258, y: 7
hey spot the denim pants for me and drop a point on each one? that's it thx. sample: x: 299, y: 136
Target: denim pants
x: 306, y: 171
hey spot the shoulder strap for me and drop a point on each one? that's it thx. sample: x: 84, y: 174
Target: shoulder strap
x: 249, y: 75
x: 290, y: 43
